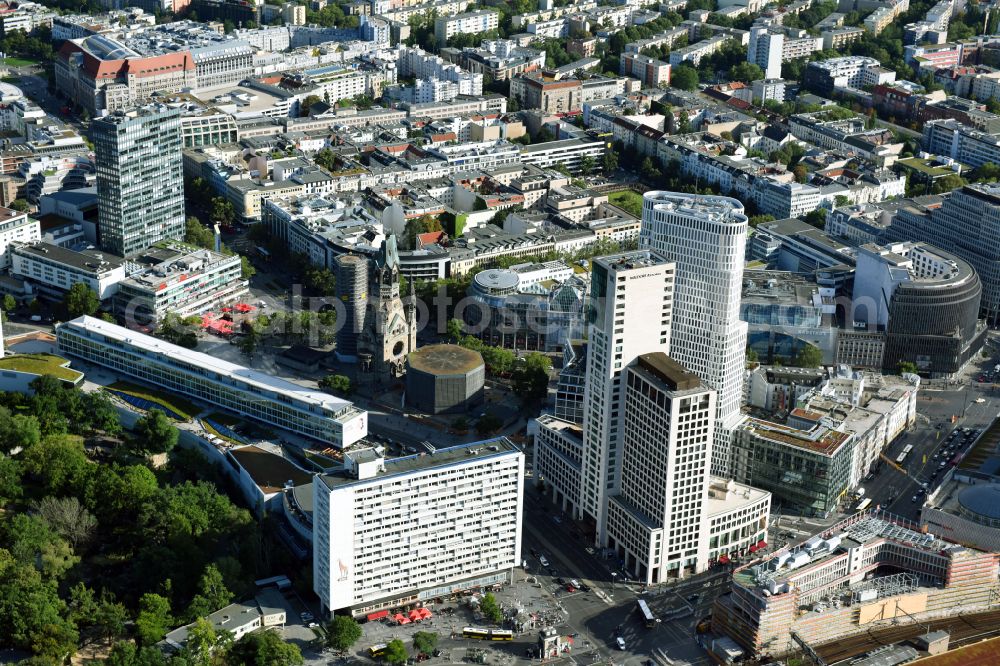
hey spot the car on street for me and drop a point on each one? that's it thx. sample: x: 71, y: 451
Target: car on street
x: 561, y: 581
x: 943, y: 463
x: 915, y: 498
x: 570, y: 588
x: 544, y: 562
x: 621, y: 643
x: 585, y: 588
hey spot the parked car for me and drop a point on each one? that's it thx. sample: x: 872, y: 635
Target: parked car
x: 621, y: 643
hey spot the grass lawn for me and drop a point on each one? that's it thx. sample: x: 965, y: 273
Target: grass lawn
x: 172, y: 402
x: 41, y: 364
x: 628, y: 201
x: 19, y: 62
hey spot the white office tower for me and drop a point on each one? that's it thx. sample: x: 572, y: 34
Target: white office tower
x: 765, y: 50
x: 656, y: 523
x: 391, y: 533
x: 631, y: 304
x: 705, y: 237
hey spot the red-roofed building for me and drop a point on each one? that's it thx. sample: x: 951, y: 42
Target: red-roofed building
x: 430, y: 238
x: 101, y: 74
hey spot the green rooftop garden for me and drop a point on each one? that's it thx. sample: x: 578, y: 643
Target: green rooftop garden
x: 41, y: 364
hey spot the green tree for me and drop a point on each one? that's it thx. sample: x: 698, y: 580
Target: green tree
x: 223, y: 211
x: 155, y: 433
x: 212, y: 594
x: 307, y: 104
x: 20, y: 205
x: 395, y: 652
x: 9, y: 303
x: 609, y: 163
x: 746, y: 72
x: 264, y: 648
x: 425, y: 642
x: 760, y: 219
x: 18, y: 431
x: 908, y: 367
x: 816, y: 217
x: 984, y: 173
x: 10, y: 479
x: 319, y: 281
x: 336, y: 384
x: 684, y: 77
x: 455, y: 329
x: 58, y: 463
x: 808, y: 357
x: 342, y: 632
x: 491, y: 609
x: 587, y: 165
x: 80, y: 300
x: 247, y: 270
x: 249, y: 343
x: 154, y: 619
x: 801, y: 173
x: 198, y: 234
x: 531, y: 376
x: 947, y: 184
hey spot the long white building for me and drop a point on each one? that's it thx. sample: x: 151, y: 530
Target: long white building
x: 632, y: 303
x: 706, y: 237
x: 15, y: 226
x: 246, y: 392
x: 391, y: 533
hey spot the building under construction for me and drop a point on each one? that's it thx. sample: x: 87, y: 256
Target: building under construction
x: 865, y: 573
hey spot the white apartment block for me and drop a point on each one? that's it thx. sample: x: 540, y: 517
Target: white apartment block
x: 784, y: 200
x: 568, y: 152
x: 15, y: 226
x: 446, y: 27
x: 417, y: 63
x: 632, y: 306
x: 765, y: 50
x: 706, y: 237
x: 55, y: 269
x: 208, y: 379
x: 389, y: 533
x: 766, y: 89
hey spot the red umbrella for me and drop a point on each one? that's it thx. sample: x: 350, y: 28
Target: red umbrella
x: 415, y: 615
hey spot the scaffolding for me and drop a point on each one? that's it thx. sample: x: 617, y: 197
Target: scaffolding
x: 884, y: 586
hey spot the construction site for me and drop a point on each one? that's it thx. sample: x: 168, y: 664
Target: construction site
x: 871, y: 580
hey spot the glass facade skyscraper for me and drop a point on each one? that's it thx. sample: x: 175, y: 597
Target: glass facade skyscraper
x: 140, y: 182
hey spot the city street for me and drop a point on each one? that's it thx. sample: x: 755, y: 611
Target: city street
x: 609, y: 610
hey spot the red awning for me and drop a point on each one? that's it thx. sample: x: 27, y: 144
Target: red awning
x: 378, y: 615
x: 753, y: 548
x: 424, y: 613
x: 761, y: 544
x: 405, y: 620
x: 723, y: 559
x: 398, y: 617
x: 415, y: 615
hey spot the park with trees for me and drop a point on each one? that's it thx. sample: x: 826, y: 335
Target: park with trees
x: 99, y: 547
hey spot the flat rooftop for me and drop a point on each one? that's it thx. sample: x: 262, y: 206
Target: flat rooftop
x: 205, y: 364
x: 672, y: 373
x: 268, y: 470
x: 91, y: 261
x: 489, y: 448
x: 823, y: 441
x: 444, y: 360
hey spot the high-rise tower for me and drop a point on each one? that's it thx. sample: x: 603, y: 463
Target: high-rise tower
x: 352, y: 290
x: 705, y: 236
x: 140, y: 180
x: 631, y: 306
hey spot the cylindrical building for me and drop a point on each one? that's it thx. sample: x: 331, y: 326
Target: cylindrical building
x: 934, y: 313
x: 444, y: 379
x: 352, y: 290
